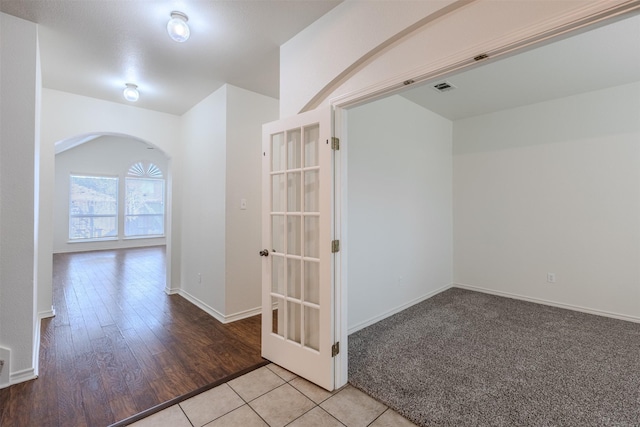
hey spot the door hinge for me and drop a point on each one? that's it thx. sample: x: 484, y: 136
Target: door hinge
x: 335, y: 246
x: 335, y: 143
x: 335, y: 349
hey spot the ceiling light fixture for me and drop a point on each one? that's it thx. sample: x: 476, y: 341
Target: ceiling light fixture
x: 177, y: 27
x: 131, y: 92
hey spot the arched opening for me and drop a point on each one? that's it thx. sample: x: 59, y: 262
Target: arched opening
x: 109, y: 156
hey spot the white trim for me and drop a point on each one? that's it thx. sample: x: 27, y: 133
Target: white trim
x: 35, y: 363
x: 212, y: 311
x: 396, y: 310
x: 341, y: 335
x: 513, y: 43
x: 243, y: 314
x: 202, y: 305
x: 5, y: 380
x: 171, y: 291
x: 572, y: 307
x: 22, y: 376
x: 47, y: 313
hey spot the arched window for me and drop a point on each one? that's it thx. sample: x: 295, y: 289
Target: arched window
x: 144, y: 201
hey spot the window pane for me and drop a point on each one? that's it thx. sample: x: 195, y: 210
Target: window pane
x: 144, y: 207
x: 277, y: 325
x: 277, y: 193
x: 312, y: 328
x: 293, y: 192
x: 312, y: 282
x: 293, y: 277
x: 311, y: 136
x: 293, y: 321
x: 312, y: 236
x: 92, y: 227
x: 277, y: 274
x: 93, y: 207
x: 294, y: 232
x: 312, y: 191
x: 293, y: 149
x: 277, y: 152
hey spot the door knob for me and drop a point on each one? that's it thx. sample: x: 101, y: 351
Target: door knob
x: 264, y: 252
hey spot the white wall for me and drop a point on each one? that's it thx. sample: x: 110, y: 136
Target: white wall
x: 399, y: 201
x: 318, y: 65
x: 104, y: 156
x: 246, y: 112
x: 203, y: 202
x: 19, y: 92
x: 552, y: 187
x: 364, y: 25
x: 222, y: 142
x: 66, y: 115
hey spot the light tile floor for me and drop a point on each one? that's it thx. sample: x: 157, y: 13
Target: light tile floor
x: 273, y: 396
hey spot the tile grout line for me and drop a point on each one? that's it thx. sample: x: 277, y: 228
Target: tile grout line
x: 185, y: 414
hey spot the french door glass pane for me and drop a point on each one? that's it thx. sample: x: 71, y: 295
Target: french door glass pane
x: 311, y: 328
x: 294, y: 273
x: 277, y: 152
x: 293, y: 326
x: 312, y: 191
x: 277, y: 275
x: 277, y: 233
x: 277, y: 193
x: 311, y: 136
x: 277, y: 326
x: 293, y: 192
x: 312, y: 236
x: 293, y: 149
x: 294, y: 224
x: 312, y: 282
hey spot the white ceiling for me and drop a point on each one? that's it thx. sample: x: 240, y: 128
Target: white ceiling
x: 94, y: 47
x: 603, y: 57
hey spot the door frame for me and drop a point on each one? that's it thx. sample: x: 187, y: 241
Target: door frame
x: 512, y: 44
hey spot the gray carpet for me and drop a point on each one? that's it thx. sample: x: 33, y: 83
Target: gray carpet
x: 464, y: 358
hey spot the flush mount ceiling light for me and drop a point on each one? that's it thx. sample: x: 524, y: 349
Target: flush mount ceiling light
x: 177, y: 27
x: 131, y: 92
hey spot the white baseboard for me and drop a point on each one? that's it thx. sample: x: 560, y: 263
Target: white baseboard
x: 395, y: 310
x: 22, y: 376
x: 202, y: 305
x: 243, y: 314
x: 47, y: 313
x: 597, y: 312
x: 5, y: 356
x: 36, y: 347
x: 171, y: 291
x: 215, y: 313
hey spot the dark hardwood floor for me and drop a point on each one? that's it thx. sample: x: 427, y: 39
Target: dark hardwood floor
x: 119, y: 345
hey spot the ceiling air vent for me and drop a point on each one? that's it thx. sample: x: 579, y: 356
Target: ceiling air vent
x: 443, y: 86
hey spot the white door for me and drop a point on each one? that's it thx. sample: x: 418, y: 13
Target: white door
x: 297, y: 284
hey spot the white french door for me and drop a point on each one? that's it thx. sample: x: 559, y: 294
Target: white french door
x: 297, y: 284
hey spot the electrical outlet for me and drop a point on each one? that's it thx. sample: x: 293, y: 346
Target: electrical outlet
x: 551, y: 277
x: 199, y: 278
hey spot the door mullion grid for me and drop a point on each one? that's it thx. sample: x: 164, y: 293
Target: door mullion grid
x: 285, y: 237
x: 303, y: 337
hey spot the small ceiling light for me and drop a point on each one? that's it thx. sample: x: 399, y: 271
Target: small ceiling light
x: 131, y: 92
x: 177, y: 27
